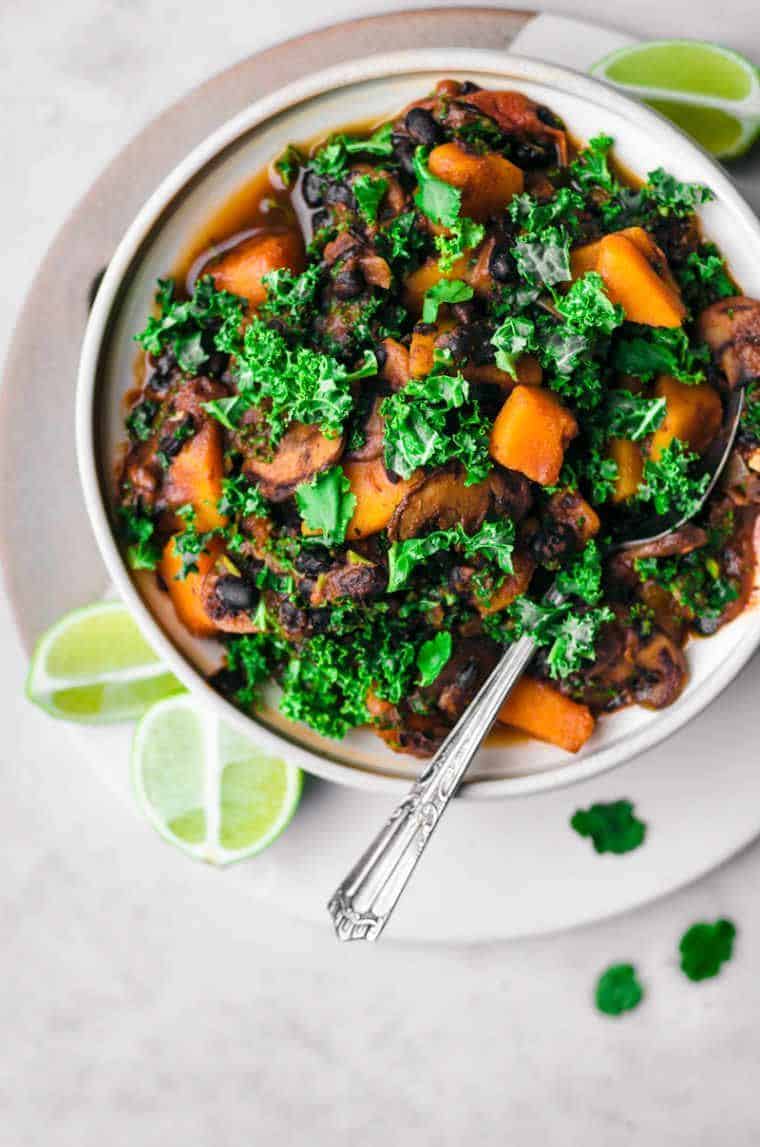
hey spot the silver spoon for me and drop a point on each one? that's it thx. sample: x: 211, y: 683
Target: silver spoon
x: 362, y: 904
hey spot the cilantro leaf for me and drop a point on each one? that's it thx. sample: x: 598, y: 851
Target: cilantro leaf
x: 369, y: 191
x: 583, y: 577
x: 618, y: 990
x: 326, y: 504
x: 669, y: 484
x: 432, y: 421
x: 433, y: 656
x: 660, y: 350
x: 612, y: 827
x: 672, y: 197
x: 444, y: 291
x: 438, y: 200
x: 495, y: 540
x: 705, y: 947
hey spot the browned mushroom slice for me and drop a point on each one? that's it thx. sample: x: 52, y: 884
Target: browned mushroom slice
x: 677, y: 542
x: 303, y: 452
x: 512, y: 497
x: 731, y: 329
x: 395, y: 368
x: 458, y: 682
x: 439, y: 502
x: 661, y: 672
x: 376, y: 270
x: 356, y: 578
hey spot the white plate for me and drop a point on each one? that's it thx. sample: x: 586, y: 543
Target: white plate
x: 526, y: 872
x: 370, y: 89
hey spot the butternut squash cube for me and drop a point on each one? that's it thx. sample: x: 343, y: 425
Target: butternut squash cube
x: 242, y: 269
x: 632, y: 281
x: 185, y: 593
x: 693, y: 413
x: 531, y: 432
x: 376, y: 496
x: 420, y: 281
x: 630, y: 464
x: 545, y: 713
x: 195, y: 476
x: 487, y: 182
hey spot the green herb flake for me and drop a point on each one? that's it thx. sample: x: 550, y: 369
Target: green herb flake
x: 438, y: 200
x: 433, y: 656
x: 612, y: 827
x: 137, y: 531
x: 326, y: 505
x: 704, y: 948
x: 618, y: 990
x: 369, y: 191
x: 444, y: 291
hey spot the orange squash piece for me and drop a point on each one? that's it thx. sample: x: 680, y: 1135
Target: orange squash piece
x: 376, y: 496
x: 512, y: 586
x: 195, y: 476
x: 421, y: 351
x: 630, y: 464
x: 636, y: 275
x: 487, y: 182
x: 528, y: 370
x: 693, y: 413
x: 420, y: 281
x: 242, y: 269
x: 545, y: 713
x: 632, y: 281
x: 185, y: 593
x: 531, y: 432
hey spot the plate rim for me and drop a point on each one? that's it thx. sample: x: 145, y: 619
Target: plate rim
x: 421, y: 61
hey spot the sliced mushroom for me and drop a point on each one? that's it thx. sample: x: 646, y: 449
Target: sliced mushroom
x: 395, y: 369
x: 356, y: 578
x: 374, y: 431
x: 516, y: 114
x: 439, y: 502
x: 302, y: 452
x: 731, y: 328
x: 677, y: 542
x: 661, y: 672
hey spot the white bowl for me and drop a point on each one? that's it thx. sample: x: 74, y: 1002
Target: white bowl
x: 361, y: 90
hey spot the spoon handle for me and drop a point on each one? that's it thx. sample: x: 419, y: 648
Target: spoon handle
x: 362, y: 905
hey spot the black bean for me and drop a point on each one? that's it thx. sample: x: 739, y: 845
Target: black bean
x: 349, y: 282
x: 551, y: 542
x: 217, y: 364
x: 422, y: 127
x: 234, y: 593
x: 468, y: 87
x: 547, y: 116
x: 313, y: 560
x: 458, y: 342
x: 464, y: 312
x: 403, y: 150
x: 481, y: 348
x: 312, y: 188
x: 339, y: 193
x: 532, y: 153
x: 320, y: 219
x: 381, y: 355
x: 501, y: 264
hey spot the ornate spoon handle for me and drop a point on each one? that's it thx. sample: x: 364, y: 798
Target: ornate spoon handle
x: 361, y: 906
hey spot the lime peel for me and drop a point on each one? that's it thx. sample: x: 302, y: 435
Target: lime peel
x: 207, y: 789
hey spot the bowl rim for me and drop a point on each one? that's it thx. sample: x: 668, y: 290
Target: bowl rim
x: 423, y: 61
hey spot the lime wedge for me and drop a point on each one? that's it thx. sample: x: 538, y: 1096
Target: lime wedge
x: 95, y: 666
x: 207, y: 789
x: 710, y: 92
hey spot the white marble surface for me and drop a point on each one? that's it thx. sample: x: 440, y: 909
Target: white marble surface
x: 142, y: 1001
